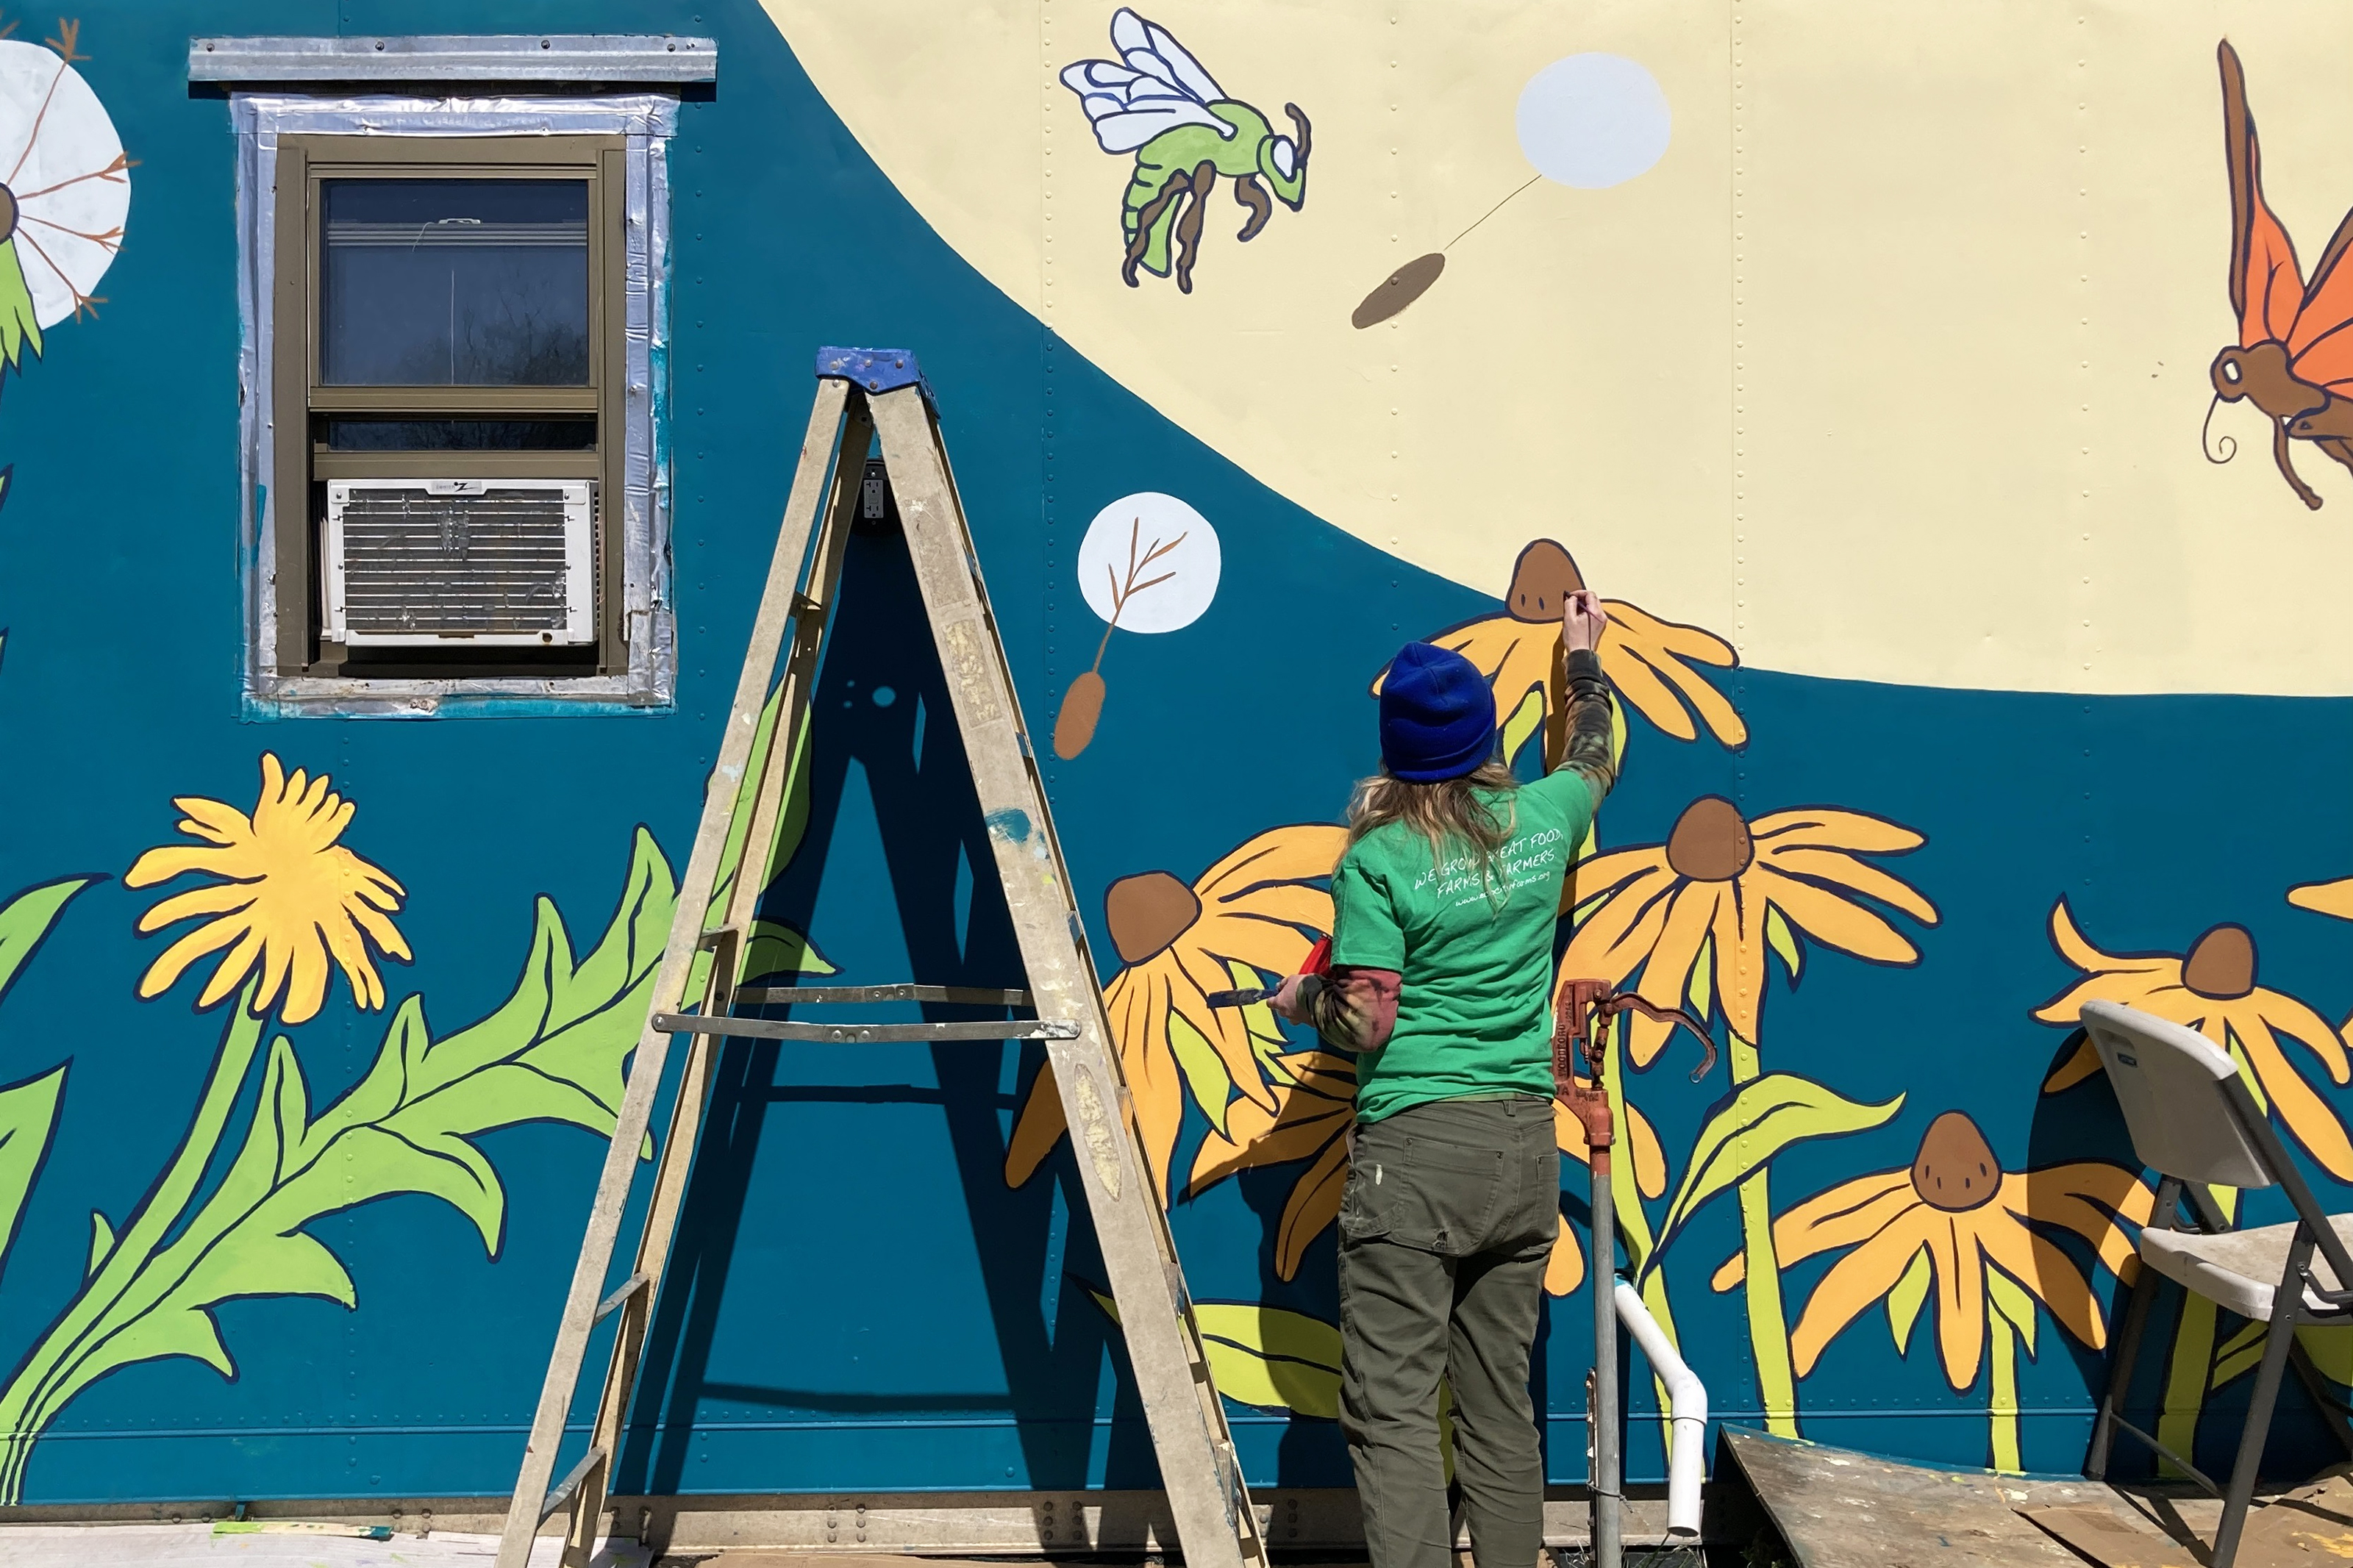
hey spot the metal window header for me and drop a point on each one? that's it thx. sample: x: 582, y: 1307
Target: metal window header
x: 517, y: 56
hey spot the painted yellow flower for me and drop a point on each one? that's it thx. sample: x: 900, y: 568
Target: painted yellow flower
x: 1647, y: 659
x: 1315, y: 1098
x: 287, y: 897
x: 1260, y: 908
x: 1955, y: 1220
x: 2325, y: 898
x: 2212, y: 989
x: 1699, y: 914
x: 1315, y: 1105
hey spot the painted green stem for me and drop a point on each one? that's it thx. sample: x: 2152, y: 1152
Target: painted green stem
x: 45, y: 1381
x: 2002, y: 1409
x: 1634, y: 1221
x: 1768, y: 1326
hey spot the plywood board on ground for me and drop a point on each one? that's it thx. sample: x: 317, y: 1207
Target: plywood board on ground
x: 1841, y: 1509
x: 2106, y: 1537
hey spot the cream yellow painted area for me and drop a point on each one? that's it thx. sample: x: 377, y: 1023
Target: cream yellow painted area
x: 1893, y: 368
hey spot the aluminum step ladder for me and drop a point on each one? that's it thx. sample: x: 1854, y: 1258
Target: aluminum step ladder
x: 863, y: 393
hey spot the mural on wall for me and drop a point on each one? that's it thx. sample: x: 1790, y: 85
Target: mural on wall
x: 1649, y: 661
x: 1252, y: 917
x: 1958, y: 1223
x: 1589, y: 122
x: 271, y: 913
x: 2211, y: 988
x: 1150, y: 563
x: 1699, y: 920
x: 283, y: 902
x: 1156, y: 102
x: 65, y: 189
x: 2293, y: 359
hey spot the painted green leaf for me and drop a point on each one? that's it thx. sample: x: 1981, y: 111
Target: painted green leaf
x: 2331, y: 1349
x: 554, y: 1051
x: 156, y: 1334
x: 2009, y: 1297
x: 1266, y: 1356
x: 1205, y: 1078
x: 28, y: 1119
x: 1764, y: 1116
x: 1904, y: 1301
x: 1272, y: 1357
x: 1701, y: 992
x: 791, y: 818
x: 1524, y: 722
x: 1784, y: 940
x: 18, y: 325
x: 1268, y: 1042
x: 102, y: 1242
x: 24, y: 922
x: 777, y: 948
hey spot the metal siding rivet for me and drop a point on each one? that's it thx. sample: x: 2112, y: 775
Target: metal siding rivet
x: 544, y: 44
x: 379, y: 43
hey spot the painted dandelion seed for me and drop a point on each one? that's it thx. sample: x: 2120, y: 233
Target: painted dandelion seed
x: 65, y: 190
x: 1074, y: 725
x: 1149, y: 563
x: 1589, y: 122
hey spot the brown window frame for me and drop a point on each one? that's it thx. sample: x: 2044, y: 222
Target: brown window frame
x: 302, y: 465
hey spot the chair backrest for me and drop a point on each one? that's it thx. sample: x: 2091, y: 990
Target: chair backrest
x: 2169, y: 1082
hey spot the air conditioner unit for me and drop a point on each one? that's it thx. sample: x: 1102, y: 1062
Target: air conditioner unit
x: 427, y: 563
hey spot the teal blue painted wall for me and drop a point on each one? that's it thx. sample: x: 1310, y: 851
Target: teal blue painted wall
x: 864, y: 1301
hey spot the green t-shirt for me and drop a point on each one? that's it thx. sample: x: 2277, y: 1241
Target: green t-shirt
x: 1474, y: 1014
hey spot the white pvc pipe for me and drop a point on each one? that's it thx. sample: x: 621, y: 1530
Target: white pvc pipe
x: 1687, y: 1400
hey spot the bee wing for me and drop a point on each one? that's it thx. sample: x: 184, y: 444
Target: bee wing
x: 1128, y: 107
x: 1150, y: 48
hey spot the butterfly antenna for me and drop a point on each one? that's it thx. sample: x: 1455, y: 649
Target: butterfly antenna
x: 2227, y: 445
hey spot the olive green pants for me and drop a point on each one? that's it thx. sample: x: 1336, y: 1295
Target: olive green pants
x: 1448, y: 1220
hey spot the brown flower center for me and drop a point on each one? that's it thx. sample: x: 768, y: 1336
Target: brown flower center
x: 1146, y: 912
x: 7, y: 213
x: 1711, y: 842
x: 2221, y: 963
x: 1542, y: 580
x: 1955, y: 1169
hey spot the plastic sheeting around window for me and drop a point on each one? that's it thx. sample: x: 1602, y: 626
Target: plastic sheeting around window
x: 639, y: 525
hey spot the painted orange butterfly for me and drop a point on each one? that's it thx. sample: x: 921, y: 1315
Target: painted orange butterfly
x: 2293, y: 359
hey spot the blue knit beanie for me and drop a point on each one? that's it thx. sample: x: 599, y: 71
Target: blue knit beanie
x: 1438, y: 715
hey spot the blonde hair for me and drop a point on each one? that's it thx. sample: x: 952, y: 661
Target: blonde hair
x: 1447, y: 813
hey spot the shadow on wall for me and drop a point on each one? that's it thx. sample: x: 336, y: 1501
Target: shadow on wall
x: 882, y: 706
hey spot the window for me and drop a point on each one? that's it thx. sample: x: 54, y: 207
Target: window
x: 452, y: 460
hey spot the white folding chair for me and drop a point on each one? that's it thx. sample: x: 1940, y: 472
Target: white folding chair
x: 2194, y: 1124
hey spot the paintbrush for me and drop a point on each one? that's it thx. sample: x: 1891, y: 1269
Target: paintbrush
x: 1319, y: 963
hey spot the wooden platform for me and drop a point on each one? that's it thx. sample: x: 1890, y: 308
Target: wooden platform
x: 1835, y: 1508
x: 198, y: 1545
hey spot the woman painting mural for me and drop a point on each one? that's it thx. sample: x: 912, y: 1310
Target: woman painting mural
x: 1443, y: 910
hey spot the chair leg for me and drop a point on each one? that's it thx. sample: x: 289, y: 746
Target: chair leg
x: 2104, y: 1428
x: 2331, y: 1410
x: 2144, y: 1296
x: 2287, y: 1305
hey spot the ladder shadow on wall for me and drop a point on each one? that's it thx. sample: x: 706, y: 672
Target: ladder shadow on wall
x: 943, y: 899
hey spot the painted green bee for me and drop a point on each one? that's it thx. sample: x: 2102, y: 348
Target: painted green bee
x: 1156, y: 102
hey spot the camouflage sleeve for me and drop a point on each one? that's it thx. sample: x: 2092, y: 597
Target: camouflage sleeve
x: 1356, y: 1008
x: 1589, y: 707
